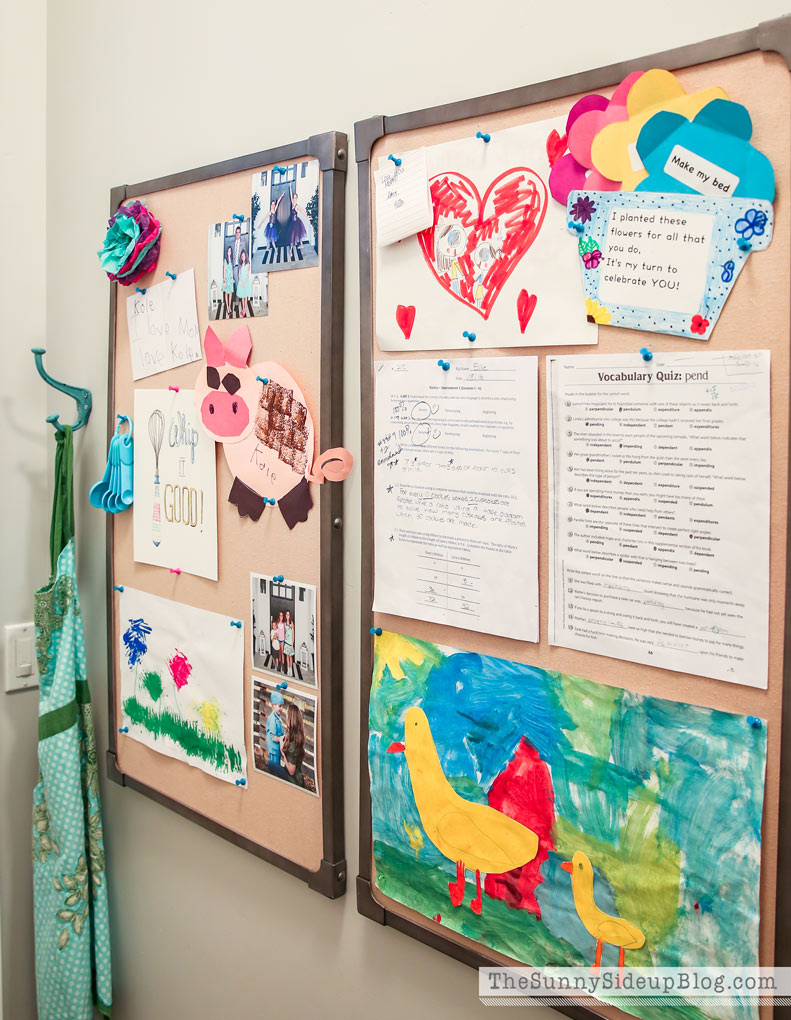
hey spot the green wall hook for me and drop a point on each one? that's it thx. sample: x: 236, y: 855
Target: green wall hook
x: 81, y: 395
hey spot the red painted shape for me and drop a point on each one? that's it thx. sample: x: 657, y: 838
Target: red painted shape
x: 405, y: 317
x: 437, y: 918
x: 523, y: 791
x: 491, y: 234
x: 556, y: 146
x: 180, y: 669
x: 476, y: 905
x: 456, y: 889
x: 525, y: 306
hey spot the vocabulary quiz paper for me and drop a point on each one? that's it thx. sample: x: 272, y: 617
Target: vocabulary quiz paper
x: 659, y: 510
x: 455, y: 485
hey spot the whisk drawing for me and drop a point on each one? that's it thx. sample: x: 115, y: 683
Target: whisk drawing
x: 156, y: 432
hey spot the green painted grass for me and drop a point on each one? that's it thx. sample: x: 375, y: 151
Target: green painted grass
x: 190, y: 736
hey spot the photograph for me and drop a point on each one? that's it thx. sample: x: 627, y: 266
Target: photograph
x: 283, y: 627
x: 285, y: 214
x: 236, y: 290
x: 284, y: 734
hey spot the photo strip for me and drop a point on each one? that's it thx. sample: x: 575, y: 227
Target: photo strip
x: 283, y: 627
x: 285, y: 214
x: 284, y: 734
x: 236, y: 290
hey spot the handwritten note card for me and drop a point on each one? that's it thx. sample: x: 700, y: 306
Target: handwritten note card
x: 163, y: 326
x: 175, y: 508
x: 403, y: 202
x: 659, y: 510
x: 455, y: 489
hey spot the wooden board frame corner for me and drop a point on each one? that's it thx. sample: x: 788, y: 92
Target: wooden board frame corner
x: 768, y: 36
x: 331, y: 150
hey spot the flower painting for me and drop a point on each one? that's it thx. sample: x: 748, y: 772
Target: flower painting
x: 182, y: 683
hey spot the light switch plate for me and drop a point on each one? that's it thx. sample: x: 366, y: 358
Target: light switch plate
x: 21, y: 671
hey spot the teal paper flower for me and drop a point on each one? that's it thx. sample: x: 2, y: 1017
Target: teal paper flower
x: 119, y: 243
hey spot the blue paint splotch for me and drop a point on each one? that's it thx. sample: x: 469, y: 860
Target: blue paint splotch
x: 136, y: 641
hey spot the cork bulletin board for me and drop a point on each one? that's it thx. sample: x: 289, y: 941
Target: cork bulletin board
x: 753, y: 68
x: 298, y: 832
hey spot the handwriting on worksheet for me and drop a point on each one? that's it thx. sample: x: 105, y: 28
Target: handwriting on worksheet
x: 163, y: 326
x: 455, y: 493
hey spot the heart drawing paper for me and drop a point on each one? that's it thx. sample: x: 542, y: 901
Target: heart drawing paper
x: 175, y: 486
x: 182, y: 682
x: 494, y: 263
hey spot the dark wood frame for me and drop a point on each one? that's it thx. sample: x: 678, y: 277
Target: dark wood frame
x: 331, y: 150
x: 769, y: 36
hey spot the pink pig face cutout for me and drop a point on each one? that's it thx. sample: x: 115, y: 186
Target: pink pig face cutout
x: 226, y: 391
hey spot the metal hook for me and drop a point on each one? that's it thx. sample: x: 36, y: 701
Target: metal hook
x: 78, y: 393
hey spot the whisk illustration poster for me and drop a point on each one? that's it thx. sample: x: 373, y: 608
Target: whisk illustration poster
x: 175, y: 508
x: 182, y: 682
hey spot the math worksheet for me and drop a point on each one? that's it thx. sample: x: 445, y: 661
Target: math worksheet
x: 455, y: 493
x: 659, y: 510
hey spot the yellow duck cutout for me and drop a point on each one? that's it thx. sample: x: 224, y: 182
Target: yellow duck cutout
x: 615, y: 931
x: 477, y: 837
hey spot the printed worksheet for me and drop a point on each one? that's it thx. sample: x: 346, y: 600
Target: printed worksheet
x: 659, y: 510
x: 455, y: 493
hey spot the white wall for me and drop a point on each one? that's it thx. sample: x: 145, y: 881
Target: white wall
x: 201, y: 929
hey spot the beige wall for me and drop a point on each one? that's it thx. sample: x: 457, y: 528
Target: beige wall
x: 201, y: 929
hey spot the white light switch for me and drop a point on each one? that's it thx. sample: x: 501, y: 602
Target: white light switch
x: 20, y: 657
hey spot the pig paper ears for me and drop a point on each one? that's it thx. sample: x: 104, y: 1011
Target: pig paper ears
x: 332, y: 466
x: 236, y: 351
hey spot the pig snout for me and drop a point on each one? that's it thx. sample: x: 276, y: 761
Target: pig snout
x: 224, y: 414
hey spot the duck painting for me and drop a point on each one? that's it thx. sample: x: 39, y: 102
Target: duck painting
x: 474, y: 836
x: 615, y: 931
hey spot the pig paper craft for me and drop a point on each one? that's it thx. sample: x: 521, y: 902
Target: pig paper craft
x: 266, y: 430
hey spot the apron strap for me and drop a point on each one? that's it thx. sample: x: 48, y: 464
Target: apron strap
x: 61, y: 529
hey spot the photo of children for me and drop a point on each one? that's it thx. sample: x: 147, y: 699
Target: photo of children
x: 235, y: 291
x: 283, y: 628
x: 284, y: 734
x: 285, y: 214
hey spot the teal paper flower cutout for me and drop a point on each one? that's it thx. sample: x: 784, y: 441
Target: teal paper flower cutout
x: 119, y: 243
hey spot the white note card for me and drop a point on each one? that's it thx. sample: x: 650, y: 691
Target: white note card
x: 403, y: 201
x: 455, y: 493
x: 163, y: 326
x: 659, y: 510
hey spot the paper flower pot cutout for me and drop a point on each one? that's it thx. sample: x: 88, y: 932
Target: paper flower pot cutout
x: 131, y: 245
x: 710, y: 155
x: 261, y: 416
x: 665, y: 263
x: 613, y: 150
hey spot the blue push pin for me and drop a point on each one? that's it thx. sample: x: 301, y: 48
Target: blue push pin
x: 278, y: 169
x: 576, y: 226
x: 123, y: 729
x: 444, y: 365
x: 744, y: 245
x: 375, y: 631
x: 270, y: 500
x: 470, y: 336
x: 278, y: 578
x: 238, y: 216
x: 171, y: 275
x: 647, y: 355
x: 282, y: 686
x: 118, y: 587
x: 241, y: 782
x: 236, y: 623
x: 260, y: 378
x: 140, y: 290
x: 485, y: 136
x: 754, y: 721
x: 395, y: 159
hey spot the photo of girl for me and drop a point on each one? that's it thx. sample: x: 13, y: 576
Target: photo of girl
x: 235, y: 290
x: 244, y: 289
x: 283, y: 634
x: 284, y: 734
x: 285, y: 215
x: 227, y: 281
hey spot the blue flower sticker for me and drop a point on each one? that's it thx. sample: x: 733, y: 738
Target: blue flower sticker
x: 752, y: 224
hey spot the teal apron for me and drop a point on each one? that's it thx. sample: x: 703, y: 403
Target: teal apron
x: 69, y: 883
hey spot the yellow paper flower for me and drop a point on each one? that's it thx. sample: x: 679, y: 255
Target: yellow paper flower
x: 597, y: 313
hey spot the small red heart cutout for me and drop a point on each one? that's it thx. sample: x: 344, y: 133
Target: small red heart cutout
x: 556, y: 146
x: 525, y: 306
x: 405, y: 317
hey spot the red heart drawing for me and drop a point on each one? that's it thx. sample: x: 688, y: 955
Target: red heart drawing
x: 405, y: 317
x: 476, y: 243
x: 525, y: 306
x: 556, y: 146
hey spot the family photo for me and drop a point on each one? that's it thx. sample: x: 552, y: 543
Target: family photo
x: 235, y: 290
x: 285, y: 214
x: 284, y: 734
x: 283, y: 628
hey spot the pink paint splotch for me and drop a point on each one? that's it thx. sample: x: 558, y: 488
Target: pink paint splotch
x: 180, y: 669
x: 523, y: 791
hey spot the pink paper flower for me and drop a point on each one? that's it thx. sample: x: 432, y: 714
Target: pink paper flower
x: 699, y: 324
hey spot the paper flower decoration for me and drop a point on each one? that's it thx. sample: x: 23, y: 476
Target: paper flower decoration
x: 752, y: 224
x: 597, y: 313
x: 699, y: 324
x: 131, y: 247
